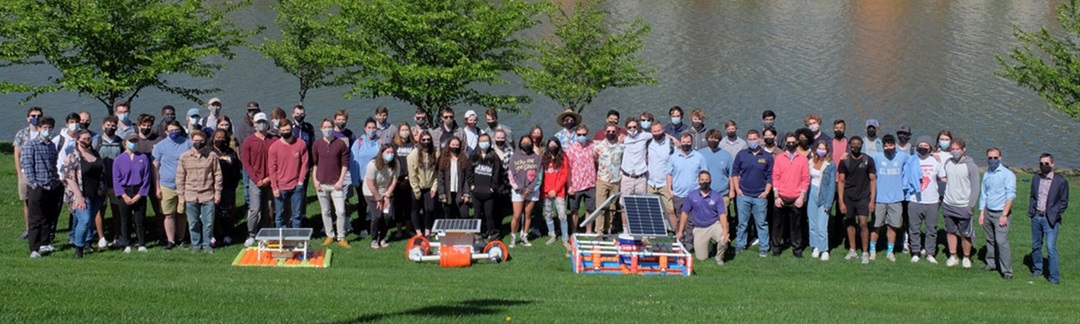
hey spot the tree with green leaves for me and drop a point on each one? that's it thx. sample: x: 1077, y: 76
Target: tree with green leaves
x: 1050, y: 64
x: 113, y: 49
x: 586, y: 55
x: 438, y: 53
x: 312, y: 45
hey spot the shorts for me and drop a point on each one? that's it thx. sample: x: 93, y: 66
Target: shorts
x: 665, y: 196
x: 888, y: 214
x: 859, y: 207
x: 516, y: 197
x: 587, y: 197
x: 22, y: 187
x: 958, y: 220
x: 170, y: 202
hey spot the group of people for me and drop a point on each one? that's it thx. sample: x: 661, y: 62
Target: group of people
x: 410, y: 174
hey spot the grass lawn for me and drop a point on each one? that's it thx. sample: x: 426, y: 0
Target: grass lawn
x: 365, y: 285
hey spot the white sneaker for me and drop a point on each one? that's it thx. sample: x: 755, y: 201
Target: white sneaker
x: 550, y: 240
x: 525, y: 242
x: 127, y: 249
x: 825, y: 256
x: 865, y: 258
x: 914, y: 259
x: 873, y: 255
x: 815, y: 254
x: 46, y: 248
x: 35, y: 255
x: 922, y: 252
x: 891, y: 257
x: 227, y: 240
x: 851, y: 255
x: 931, y: 259
x: 142, y: 249
x: 102, y: 243
x: 951, y: 261
x: 907, y: 248
x: 755, y: 242
x: 967, y: 263
x: 512, y: 241
x: 249, y: 242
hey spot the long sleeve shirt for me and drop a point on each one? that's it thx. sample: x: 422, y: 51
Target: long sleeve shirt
x: 998, y: 186
x: 754, y: 171
x: 130, y: 170
x: 254, y: 154
x: 961, y: 182
x: 38, y: 159
x: 791, y: 174
x: 287, y: 164
x: 525, y: 172
x: 198, y: 177
x: 634, y: 153
x: 555, y: 178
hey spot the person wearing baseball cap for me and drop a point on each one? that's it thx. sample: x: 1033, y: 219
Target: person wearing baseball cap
x: 194, y: 122
x: 872, y: 143
x: 923, y: 203
x: 903, y: 140
x: 214, y: 105
x: 254, y: 155
x: 472, y: 133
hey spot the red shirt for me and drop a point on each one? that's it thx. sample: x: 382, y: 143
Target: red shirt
x: 555, y: 180
x: 791, y: 175
x: 253, y: 154
x: 287, y: 164
x: 328, y: 159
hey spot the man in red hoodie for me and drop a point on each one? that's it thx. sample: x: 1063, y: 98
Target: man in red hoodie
x: 791, y: 180
x: 287, y: 164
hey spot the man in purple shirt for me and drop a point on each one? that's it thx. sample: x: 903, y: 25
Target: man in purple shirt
x: 708, y: 214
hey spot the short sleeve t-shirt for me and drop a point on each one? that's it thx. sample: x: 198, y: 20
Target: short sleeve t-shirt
x: 857, y: 177
x: 382, y: 178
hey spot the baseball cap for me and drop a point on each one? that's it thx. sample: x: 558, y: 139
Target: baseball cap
x: 470, y: 113
x: 904, y: 129
x: 259, y: 117
x: 872, y: 122
x: 193, y: 112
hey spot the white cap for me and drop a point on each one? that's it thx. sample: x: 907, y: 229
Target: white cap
x: 470, y: 113
x: 259, y: 117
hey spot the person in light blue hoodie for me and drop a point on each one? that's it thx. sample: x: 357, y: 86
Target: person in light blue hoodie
x: 822, y: 192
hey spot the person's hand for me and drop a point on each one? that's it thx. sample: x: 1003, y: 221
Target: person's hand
x: 1004, y: 220
x: 277, y: 193
x: 432, y: 193
x: 569, y: 192
x: 678, y: 236
x: 465, y: 199
x: 300, y: 184
x: 338, y: 186
x: 180, y: 199
x: 318, y: 186
x: 871, y: 207
x: 264, y: 182
x: 982, y: 217
x: 763, y: 194
x: 551, y: 193
x: 731, y: 195
x: 526, y: 192
x: 442, y: 199
x: 843, y: 208
x: 779, y: 202
x: 217, y: 200
x: 386, y: 200
x: 799, y: 202
x: 158, y: 193
x: 79, y: 204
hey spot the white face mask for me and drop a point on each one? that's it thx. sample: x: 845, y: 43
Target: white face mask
x: 404, y: 134
x: 327, y: 132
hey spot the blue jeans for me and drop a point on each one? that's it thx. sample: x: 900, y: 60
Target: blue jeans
x: 746, y: 205
x: 82, y: 229
x: 246, y: 183
x: 1040, y: 227
x: 295, y: 197
x: 818, y: 220
x: 200, y: 219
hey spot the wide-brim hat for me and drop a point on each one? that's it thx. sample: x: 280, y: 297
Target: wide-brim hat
x: 568, y: 113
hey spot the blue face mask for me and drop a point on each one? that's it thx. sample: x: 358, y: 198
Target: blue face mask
x: 993, y: 164
x: 485, y: 145
x: 174, y: 135
x: 676, y: 120
x: 581, y: 139
x: 753, y: 145
x: 645, y: 124
x: 34, y: 121
x: 44, y: 133
x: 944, y: 145
x: 388, y: 157
x: 122, y: 117
x: 131, y: 146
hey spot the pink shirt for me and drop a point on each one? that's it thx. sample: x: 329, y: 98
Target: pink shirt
x: 582, y: 165
x: 839, y: 148
x: 791, y: 174
x: 287, y: 164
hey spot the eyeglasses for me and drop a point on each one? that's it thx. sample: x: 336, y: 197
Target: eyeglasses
x: 35, y: 116
x: 994, y: 157
x: 580, y: 134
x: 632, y: 128
x: 425, y: 140
x: 1045, y: 163
x: 447, y: 117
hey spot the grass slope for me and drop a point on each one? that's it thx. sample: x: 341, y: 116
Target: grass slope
x: 365, y: 285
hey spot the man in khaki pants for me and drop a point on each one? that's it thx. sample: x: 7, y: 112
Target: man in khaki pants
x: 709, y: 216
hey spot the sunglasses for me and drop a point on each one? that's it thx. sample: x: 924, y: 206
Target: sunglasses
x: 447, y: 117
x: 580, y: 134
x: 994, y: 158
x: 425, y: 140
x: 632, y: 128
x: 33, y: 116
x: 1045, y: 163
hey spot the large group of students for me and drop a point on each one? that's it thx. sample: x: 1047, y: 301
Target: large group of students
x: 805, y: 189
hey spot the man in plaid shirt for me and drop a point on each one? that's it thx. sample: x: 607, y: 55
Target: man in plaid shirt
x: 38, y: 158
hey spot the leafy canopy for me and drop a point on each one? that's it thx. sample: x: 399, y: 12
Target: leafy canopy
x: 1050, y: 64
x: 312, y: 45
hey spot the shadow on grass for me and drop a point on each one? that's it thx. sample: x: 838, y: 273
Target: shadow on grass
x: 467, y: 308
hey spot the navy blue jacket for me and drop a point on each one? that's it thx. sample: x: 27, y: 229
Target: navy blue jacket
x: 1057, y: 200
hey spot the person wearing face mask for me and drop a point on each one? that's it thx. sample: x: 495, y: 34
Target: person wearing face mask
x: 447, y: 128
x: 839, y: 143
x: 84, y: 174
x: 676, y: 127
x: 872, y: 143
x: 166, y: 155
x: 646, y: 119
x: 84, y: 122
x: 941, y: 150
x: 383, y: 127
x: 302, y: 129
x: 287, y: 165
x: 485, y: 185
x: 820, y: 199
x: 995, y: 208
x: 45, y: 189
x: 403, y: 146
x: 254, y: 154
x: 109, y: 146
x: 364, y: 149
x: 380, y: 180
x: 454, y: 174
x: 961, y: 177
x: 33, y: 118
x: 609, y: 156
x: 813, y: 123
x: 199, y: 186
x: 893, y: 180
x: 718, y: 163
x: 682, y: 177
x: 168, y: 114
x: 706, y: 212
x: 731, y: 142
x: 804, y: 138
x: 791, y: 180
x: 581, y: 191
x: 422, y: 123
x: 491, y: 116
x: 697, y: 129
x: 856, y: 186
x: 613, y: 117
x: 923, y: 203
x: 658, y: 152
x: 65, y: 140
x: 633, y: 171
x: 330, y: 161
x: 751, y: 179
x: 568, y: 120
x: 277, y: 117
x: 525, y: 180
x: 214, y: 107
x: 231, y: 168
x: 132, y: 182
x: 246, y: 127
x: 903, y: 140
x: 422, y: 163
x: 195, y: 122
x: 472, y: 132
x: 769, y: 144
x: 1049, y: 198
x: 123, y: 114
x: 553, y: 190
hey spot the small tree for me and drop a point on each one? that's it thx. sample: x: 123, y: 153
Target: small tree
x: 1050, y: 64
x: 587, y: 55
x: 113, y: 49
x: 434, y: 53
x: 311, y: 46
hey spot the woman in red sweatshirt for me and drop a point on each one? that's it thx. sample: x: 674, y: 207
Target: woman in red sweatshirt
x: 553, y: 191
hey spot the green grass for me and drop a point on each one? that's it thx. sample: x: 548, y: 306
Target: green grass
x: 365, y: 285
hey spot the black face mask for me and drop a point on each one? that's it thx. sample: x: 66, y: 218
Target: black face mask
x: 856, y: 151
x: 527, y: 148
x: 770, y: 141
x: 84, y: 126
x: 500, y: 143
x: 731, y: 135
x: 658, y: 138
x: 455, y: 150
x: 145, y: 131
x: 198, y: 145
x: 286, y: 136
x: 687, y: 147
x: 421, y: 122
x: 569, y: 125
x: 838, y: 134
x: 804, y: 143
x: 493, y: 125
x: 110, y: 131
x: 714, y: 144
x: 698, y: 125
x: 922, y: 151
x: 611, y: 136
x: 1045, y: 169
x: 791, y: 148
x: 903, y: 139
x: 890, y: 153
x: 704, y: 186
x: 221, y: 144
x: 871, y: 133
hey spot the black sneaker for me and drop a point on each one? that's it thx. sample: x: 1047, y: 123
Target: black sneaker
x: 169, y: 246
x: 78, y: 253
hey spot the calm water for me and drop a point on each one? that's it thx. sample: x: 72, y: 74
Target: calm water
x: 929, y: 64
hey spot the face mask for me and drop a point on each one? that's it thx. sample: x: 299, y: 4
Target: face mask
x: 527, y: 147
x: 821, y: 153
x: 215, y: 110
x: 493, y: 125
x: 753, y: 145
x: 251, y: 113
x: 645, y: 124
x: 814, y: 127
x: 890, y: 153
x: 404, y: 134
x: 804, y: 143
x: 992, y: 164
x: 943, y: 144
x: 838, y: 134
x: 791, y: 148
x: 633, y: 133
x: 714, y: 144
x: 72, y: 127
x: 388, y: 157
x: 262, y: 127
x: 221, y: 144
x: 676, y: 120
x: 658, y: 138
x: 275, y: 123
x: 110, y: 131
x: 122, y: 117
x: 286, y: 136
x: 198, y: 145
x: 500, y: 143
x: 369, y: 133
x: 553, y: 149
x: 871, y: 133
x: 704, y: 186
x: 903, y: 139
x: 956, y: 155
x: 84, y: 126
x: 698, y: 125
x: 421, y: 122
x: 922, y: 151
x: 168, y: 118
x: 33, y: 121
x: 145, y: 131
x: 611, y: 136
x: 44, y: 133
x: 131, y: 146
x: 767, y: 124
x: 455, y: 150
x: 770, y: 141
x: 448, y: 122
x: 687, y: 147
x: 193, y: 120
x: 731, y: 135
x: 581, y: 139
x: 340, y: 125
x: 174, y: 135
x: 856, y: 151
x: 299, y: 118
x: 484, y: 145
x: 1045, y: 169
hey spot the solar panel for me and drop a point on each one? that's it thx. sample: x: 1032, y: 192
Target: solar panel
x: 645, y: 216
x: 457, y: 225
x: 285, y: 233
x: 600, y: 209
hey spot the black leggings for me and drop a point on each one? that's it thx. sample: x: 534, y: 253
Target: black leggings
x: 425, y: 204
x: 485, y: 209
x: 380, y: 221
x: 138, y: 210
x: 454, y: 207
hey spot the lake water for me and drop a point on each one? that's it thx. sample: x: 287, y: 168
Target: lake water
x: 929, y: 64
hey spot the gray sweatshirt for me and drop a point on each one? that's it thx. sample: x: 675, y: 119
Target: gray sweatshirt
x: 961, y: 182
